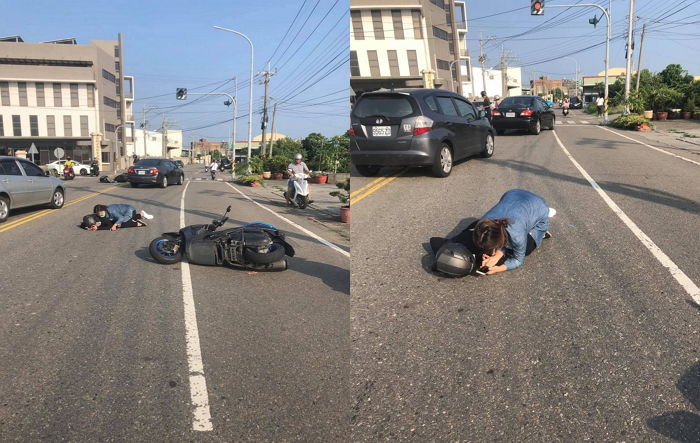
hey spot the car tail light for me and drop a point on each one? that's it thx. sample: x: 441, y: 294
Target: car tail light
x: 351, y: 132
x: 422, y: 125
x: 130, y: 170
x: 526, y: 113
x: 153, y: 171
x: 495, y: 112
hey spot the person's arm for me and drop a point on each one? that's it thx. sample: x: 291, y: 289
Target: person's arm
x: 306, y: 169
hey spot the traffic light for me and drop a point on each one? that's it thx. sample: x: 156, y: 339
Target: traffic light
x: 181, y: 93
x: 536, y: 7
x: 594, y: 21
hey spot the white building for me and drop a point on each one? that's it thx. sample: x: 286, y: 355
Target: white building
x: 154, y: 145
x: 495, y: 84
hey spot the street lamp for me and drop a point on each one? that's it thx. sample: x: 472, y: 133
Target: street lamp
x: 250, y: 88
x: 452, y: 77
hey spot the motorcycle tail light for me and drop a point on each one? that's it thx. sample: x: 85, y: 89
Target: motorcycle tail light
x: 351, y: 132
x: 526, y: 113
x: 422, y: 125
x: 495, y: 112
x: 130, y: 170
x: 153, y: 171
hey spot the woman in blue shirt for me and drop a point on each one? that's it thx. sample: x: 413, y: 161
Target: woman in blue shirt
x: 512, y: 229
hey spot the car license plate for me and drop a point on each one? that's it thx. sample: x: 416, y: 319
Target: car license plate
x: 141, y: 172
x: 510, y: 114
x: 381, y: 131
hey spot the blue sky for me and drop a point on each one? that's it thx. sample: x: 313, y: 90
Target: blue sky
x: 568, y: 32
x: 170, y: 44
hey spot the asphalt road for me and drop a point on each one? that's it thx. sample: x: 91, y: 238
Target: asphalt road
x: 92, y: 333
x: 592, y: 339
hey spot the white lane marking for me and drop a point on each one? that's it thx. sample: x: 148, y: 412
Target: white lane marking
x: 304, y: 230
x: 201, y: 417
x: 652, y: 147
x: 690, y: 287
x: 585, y: 122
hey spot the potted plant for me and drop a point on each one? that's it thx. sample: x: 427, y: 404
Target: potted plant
x: 344, y: 197
x: 689, y: 107
x: 277, y: 165
x: 251, y: 180
x: 319, y: 177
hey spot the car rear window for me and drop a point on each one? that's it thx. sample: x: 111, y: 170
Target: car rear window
x: 516, y: 101
x: 148, y: 162
x: 396, y: 106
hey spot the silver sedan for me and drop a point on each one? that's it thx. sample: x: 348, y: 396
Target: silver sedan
x: 22, y: 184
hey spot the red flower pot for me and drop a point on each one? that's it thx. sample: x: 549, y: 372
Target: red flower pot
x: 685, y: 115
x: 321, y: 179
x: 255, y: 184
x: 345, y: 214
x: 277, y: 176
x: 662, y: 115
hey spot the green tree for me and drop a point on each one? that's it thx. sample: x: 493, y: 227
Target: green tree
x: 558, y: 94
x: 215, y: 154
x: 675, y: 77
x: 287, y: 147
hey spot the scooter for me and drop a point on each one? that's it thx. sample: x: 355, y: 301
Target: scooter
x: 257, y: 246
x: 94, y: 170
x: 68, y: 173
x: 300, y: 199
x: 565, y: 111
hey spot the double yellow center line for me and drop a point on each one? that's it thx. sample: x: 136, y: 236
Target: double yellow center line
x: 34, y: 216
x: 371, y: 187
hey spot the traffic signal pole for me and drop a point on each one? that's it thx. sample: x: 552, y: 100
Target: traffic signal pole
x: 606, y: 12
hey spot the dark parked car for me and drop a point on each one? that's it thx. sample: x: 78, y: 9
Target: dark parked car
x: 575, y: 103
x: 524, y: 112
x: 416, y: 127
x: 225, y: 164
x: 179, y: 163
x: 155, y: 171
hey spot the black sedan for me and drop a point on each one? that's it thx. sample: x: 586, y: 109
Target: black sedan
x: 575, y: 103
x: 523, y: 112
x: 155, y: 171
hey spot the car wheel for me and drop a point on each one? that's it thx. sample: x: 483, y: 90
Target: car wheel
x: 180, y: 179
x: 83, y: 172
x: 488, y: 146
x: 536, y: 128
x: 367, y: 170
x: 164, y: 183
x: 500, y: 131
x: 4, y: 208
x: 57, y: 199
x: 442, y: 165
x: 134, y: 185
x: 554, y: 120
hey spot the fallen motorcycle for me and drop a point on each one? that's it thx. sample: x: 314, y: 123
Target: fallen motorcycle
x: 257, y: 246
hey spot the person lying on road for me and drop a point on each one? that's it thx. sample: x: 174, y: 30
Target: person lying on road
x: 512, y: 229
x: 118, y: 215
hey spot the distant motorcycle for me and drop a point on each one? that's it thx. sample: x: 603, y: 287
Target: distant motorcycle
x: 94, y: 169
x: 257, y: 246
x: 68, y: 173
x: 565, y: 111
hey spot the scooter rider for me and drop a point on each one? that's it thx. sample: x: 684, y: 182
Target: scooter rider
x: 94, y: 168
x: 565, y: 106
x: 296, y: 167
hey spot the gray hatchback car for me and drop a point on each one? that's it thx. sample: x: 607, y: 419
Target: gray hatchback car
x: 22, y: 184
x: 416, y: 127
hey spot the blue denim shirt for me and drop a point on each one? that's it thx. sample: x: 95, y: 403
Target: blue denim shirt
x: 528, y: 213
x: 120, y: 213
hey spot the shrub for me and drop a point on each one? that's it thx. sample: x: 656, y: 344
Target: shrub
x: 629, y: 121
x: 690, y: 103
x: 256, y: 164
x: 277, y: 163
x: 248, y: 179
x: 317, y: 174
x: 344, y: 194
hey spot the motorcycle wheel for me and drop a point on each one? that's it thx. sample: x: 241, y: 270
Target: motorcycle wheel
x: 275, y: 252
x: 161, y: 250
x: 302, y: 201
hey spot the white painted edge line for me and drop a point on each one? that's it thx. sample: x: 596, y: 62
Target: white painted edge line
x: 585, y: 122
x: 304, y: 230
x: 199, y: 397
x: 687, y: 284
x: 652, y: 147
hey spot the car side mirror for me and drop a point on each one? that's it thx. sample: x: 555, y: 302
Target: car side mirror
x: 482, y: 113
x: 47, y: 174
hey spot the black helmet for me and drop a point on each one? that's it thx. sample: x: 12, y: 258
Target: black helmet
x: 89, y: 220
x: 454, y: 260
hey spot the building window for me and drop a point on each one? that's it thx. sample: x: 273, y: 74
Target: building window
x: 441, y: 34
x: 354, y: 65
x: 22, y: 89
x: 109, y: 127
x: 417, y: 26
x: 397, y: 18
x: 378, y: 24
x: 413, y: 63
x: 84, y: 132
x: 67, y: 126
x: 451, y: 45
x: 34, y: 126
x: 2, y: 127
x: 373, y: 63
x: 442, y: 64
x: 5, y: 93
x: 460, y: 16
x: 40, y: 98
x: 74, y: 101
x: 439, y: 3
x: 109, y: 102
x: 116, y: 52
x: 51, y: 125
x: 117, y: 66
x: 105, y: 157
x: 393, y: 63
x: 109, y: 76
x: 118, y: 90
x: 448, y: 17
x: 57, y: 99
x: 91, y: 95
x: 357, y: 29
x: 16, y: 126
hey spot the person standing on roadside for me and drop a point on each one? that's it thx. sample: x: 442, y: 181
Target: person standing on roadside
x: 600, y: 103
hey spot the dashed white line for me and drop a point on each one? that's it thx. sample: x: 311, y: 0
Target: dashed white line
x: 304, y: 230
x: 652, y: 147
x: 199, y: 397
x: 585, y: 122
x: 690, y: 287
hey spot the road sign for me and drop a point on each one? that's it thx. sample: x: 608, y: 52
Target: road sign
x: 33, y: 150
x: 58, y: 153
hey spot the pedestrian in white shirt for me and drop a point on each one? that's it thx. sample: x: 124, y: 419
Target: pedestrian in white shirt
x: 213, y: 168
x: 600, y: 103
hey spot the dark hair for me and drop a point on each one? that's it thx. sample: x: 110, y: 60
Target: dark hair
x: 490, y: 233
x: 99, y: 208
x: 88, y: 220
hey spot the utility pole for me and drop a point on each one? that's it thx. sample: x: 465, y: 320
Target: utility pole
x: 639, y: 62
x: 504, y: 73
x: 164, y: 133
x: 272, y: 132
x: 628, y: 69
x: 265, y: 81
x: 482, y: 59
